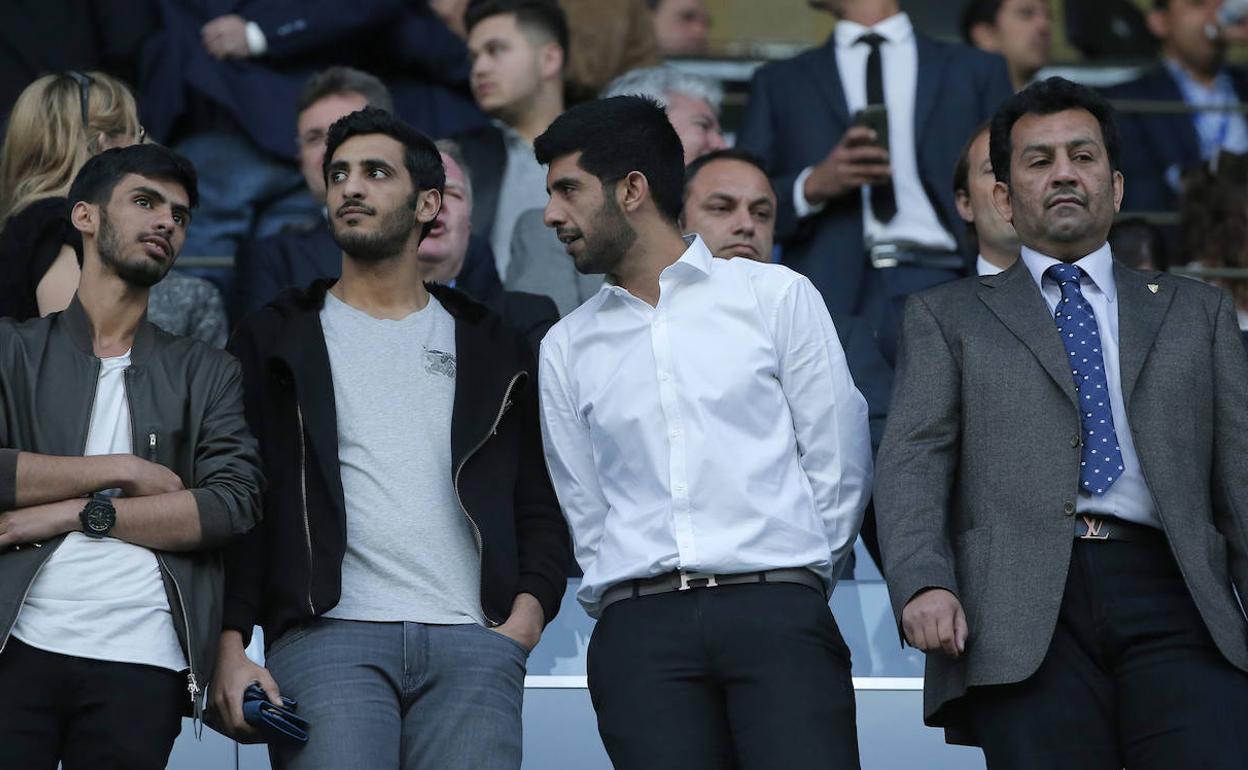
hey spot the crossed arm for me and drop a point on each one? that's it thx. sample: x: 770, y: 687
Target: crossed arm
x: 156, y: 512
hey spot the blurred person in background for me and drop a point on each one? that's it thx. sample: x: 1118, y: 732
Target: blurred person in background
x: 519, y: 54
x: 1158, y: 147
x: 1019, y: 30
x: 989, y: 235
x: 59, y: 122
x: 682, y: 27
x: 692, y: 103
x: 1138, y: 243
x: 1213, y: 215
x: 600, y: 51
x: 220, y: 80
x: 539, y: 263
x: 870, y: 219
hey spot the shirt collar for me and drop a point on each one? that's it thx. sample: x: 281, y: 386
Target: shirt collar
x: 1099, y: 265
x: 895, y: 29
x: 983, y: 267
x: 1221, y: 86
x: 511, y: 137
x: 696, y: 259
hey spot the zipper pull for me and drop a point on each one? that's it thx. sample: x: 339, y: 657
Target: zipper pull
x: 151, y: 447
x: 192, y: 686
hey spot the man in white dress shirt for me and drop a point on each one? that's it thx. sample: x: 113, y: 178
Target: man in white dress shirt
x: 973, y: 183
x: 712, y: 456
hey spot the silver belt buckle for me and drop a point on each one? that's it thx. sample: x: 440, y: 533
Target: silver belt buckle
x: 688, y: 579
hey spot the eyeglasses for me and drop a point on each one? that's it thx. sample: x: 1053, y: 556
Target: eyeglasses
x: 84, y: 82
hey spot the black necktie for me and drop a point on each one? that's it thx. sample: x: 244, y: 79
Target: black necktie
x: 883, y: 197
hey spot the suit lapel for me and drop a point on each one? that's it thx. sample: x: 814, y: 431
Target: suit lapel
x: 933, y: 60
x: 827, y: 77
x: 1016, y: 300
x: 1140, y: 315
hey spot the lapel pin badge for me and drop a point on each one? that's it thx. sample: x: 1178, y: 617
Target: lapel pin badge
x: 1153, y: 288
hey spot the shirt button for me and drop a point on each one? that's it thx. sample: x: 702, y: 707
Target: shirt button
x: 679, y: 488
x: 675, y: 433
x: 663, y: 376
x: 1068, y: 507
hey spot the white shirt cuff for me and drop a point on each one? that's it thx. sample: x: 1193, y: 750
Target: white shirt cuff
x: 803, y: 207
x: 256, y: 41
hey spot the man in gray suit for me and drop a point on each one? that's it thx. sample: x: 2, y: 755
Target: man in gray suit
x: 1062, y: 490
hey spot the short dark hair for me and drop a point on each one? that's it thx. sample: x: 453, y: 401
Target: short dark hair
x: 542, y: 16
x: 728, y: 153
x: 979, y: 12
x: 1048, y: 97
x: 616, y: 137
x: 962, y: 171
x: 420, y: 155
x: 98, y: 177
x: 345, y: 80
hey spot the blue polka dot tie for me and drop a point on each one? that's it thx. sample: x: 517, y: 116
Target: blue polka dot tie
x: 1101, y: 460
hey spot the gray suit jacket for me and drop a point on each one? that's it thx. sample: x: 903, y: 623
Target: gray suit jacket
x: 978, y: 472
x: 540, y: 265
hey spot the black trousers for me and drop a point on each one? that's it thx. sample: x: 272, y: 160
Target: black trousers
x: 752, y: 677
x: 1131, y: 679
x: 88, y: 714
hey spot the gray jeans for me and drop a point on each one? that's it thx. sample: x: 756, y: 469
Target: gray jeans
x: 401, y: 695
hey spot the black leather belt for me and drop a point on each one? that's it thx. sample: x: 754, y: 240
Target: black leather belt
x: 684, y: 580
x: 1100, y: 528
x: 885, y: 255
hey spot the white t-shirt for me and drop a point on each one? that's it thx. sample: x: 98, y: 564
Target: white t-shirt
x: 103, y: 599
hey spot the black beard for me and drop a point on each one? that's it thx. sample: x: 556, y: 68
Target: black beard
x: 143, y: 274
x: 611, y: 238
x: 387, y: 243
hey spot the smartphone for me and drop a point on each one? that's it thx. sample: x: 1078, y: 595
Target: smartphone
x: 874, y: 117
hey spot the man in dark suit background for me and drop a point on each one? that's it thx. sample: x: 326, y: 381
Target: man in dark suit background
x: 444, y: 255
x: 1158, y: 147
x: 219, y: 81
x: 867, y: 225
x: 299, y: 255
x: 1061, y: 493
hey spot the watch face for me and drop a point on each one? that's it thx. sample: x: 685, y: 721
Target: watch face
x: 99, y: 518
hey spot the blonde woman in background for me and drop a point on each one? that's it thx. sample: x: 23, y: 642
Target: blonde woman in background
x: 57, y: 123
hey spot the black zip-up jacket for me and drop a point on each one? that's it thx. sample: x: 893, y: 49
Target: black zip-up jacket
x: 186, y: 413
x: 289, y: 569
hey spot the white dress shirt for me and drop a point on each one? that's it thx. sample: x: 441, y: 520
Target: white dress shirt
x: 984, y: 267
x: 1129, y: 497
x: 717, y: 432
x: 916, y: 221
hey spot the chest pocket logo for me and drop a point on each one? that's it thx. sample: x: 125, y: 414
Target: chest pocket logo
x: 437, y: 362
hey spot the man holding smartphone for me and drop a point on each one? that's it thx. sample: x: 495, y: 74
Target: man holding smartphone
x: 861, y: 136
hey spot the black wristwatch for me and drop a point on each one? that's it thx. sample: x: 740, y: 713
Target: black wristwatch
x: 98, y: 516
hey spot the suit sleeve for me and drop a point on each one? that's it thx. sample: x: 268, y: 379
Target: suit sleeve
x: 295, y: 28
x: 757, y: 134
x: 996, y: 86
x: 918, y: 460
x: 1230, y: 442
